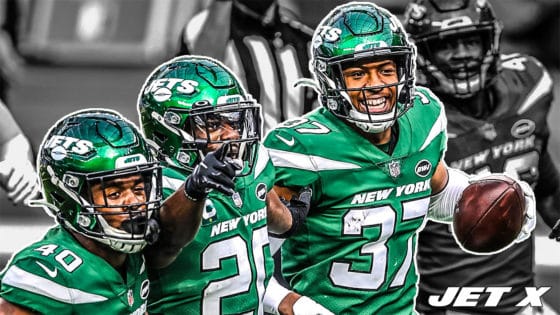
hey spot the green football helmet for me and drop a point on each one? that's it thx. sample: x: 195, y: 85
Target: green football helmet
x: 359, y: 32
x: 90, y: 148
x: 193, y: 95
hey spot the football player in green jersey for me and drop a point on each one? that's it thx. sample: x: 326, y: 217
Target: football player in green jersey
x: 373, y: 159
x: 103, y: 185
x: 188, y: 107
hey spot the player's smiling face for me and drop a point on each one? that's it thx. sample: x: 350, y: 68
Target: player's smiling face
x: 123, y: 191
x: 371, y: 75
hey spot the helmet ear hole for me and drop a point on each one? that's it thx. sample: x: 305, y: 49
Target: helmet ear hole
x: 159, y: 137
x: 201, y: 103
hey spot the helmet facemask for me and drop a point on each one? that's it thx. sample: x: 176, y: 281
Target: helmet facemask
x: 140, y: 226
x: 238, y: 124
x: 337, y: 97
x: 93, y: 218
x: 459, y: 76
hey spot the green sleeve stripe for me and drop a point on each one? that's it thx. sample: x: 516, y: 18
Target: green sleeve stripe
x: 438, y: 127
x: 19, y: 278
x: 262, y: 160
x: 542, y: 88
x: 307, y: 162
x: 171, y: 183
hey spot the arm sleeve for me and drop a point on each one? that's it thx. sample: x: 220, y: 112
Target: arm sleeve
x: 274, y: 294
x: 442, y: 204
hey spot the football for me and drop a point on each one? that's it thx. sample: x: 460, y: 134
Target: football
x: 489, y: 214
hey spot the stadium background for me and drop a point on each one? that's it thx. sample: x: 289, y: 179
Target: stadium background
x: 97, y: 53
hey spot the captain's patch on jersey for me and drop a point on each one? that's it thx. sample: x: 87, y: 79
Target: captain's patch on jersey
x: 209, y: 213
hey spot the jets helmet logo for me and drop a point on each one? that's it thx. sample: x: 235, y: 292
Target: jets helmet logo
x: 163, y: 89
x: 62, y: 145
x: 326, y: 34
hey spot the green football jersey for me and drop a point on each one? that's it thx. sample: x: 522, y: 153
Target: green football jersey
x: 56, y: 275
x: 354, y: 254
x: 226, y: 268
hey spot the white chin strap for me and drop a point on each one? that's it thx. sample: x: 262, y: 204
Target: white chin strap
x: 360, y: 120
x: 128, y: 246
x: 121, y: 244
x: 125, y: 246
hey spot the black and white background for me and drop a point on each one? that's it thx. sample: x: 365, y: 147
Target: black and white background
x: 97, y: 53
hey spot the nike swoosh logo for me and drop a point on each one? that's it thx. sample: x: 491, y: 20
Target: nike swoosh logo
x: 51, y: 273
x: 286, y: 141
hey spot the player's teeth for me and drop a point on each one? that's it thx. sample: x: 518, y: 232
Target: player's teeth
x: 375, y: 102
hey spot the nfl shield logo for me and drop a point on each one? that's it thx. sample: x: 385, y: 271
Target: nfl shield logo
x: 130, y: 298
x: 394, y: 168
x: 488, y: 132
x: 237, y: 199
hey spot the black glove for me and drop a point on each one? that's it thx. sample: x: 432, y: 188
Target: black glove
x: 216, y: 171
x: 299, y: 208
x: 555, y: 233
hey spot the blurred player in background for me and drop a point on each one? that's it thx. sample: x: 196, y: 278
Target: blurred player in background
x: 263, y: 45
x: 103, y: 185
x: 497, y: 108
x: 10, y: 60
x: 373, y: 159
x: 17, y: 172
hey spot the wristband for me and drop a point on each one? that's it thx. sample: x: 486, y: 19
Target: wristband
x: 191, y: 196
x: 274, y: 294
